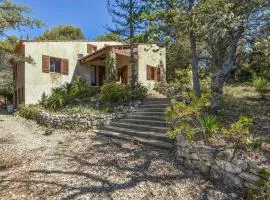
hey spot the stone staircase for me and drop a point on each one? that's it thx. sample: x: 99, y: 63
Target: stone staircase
x: 146, y: 125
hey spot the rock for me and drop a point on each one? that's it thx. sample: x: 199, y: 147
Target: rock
x: 194, y: 156
x: 226, y: 155
x: 249, y: 177
x: 229, y: 167
x: 229, y: 180
x: 240, y: 163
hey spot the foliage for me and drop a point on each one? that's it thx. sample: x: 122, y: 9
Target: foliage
x: 28, y: 111
x: 239, y: 131
x: 7, y: 93
x: 108, y: 37
x: 115, y: 93
x: 57, y: 100
x: 111, y: 63
x: 210, y: 125
x: 62, y: 32
x: 261, y: 84
x: 185, y: 116
x: 77, y: 91
x: 14, y: 17
x: 140, y: 92
x: 263, y: 191
x: 80, y: 89
x: 126, y: 14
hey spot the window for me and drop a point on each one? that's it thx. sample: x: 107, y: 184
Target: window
x: 55, y: 65
x: 153, y: 73
x: 150, y: 73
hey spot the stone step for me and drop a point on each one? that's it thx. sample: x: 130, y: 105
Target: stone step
x: 145, y: 113
x: 161, y: 123
x: 139, y: 127
x: 144, y: 134
x: 157, y: 101
x: 163, y: 106
x: 145, y: 117
x: 151, y: 110
x: 152, y: 142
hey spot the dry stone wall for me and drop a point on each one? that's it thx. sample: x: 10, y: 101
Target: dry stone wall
x: 223, y: 165
x: 79, y: 121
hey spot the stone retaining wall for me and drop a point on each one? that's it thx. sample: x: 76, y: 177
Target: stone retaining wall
x: 223, y: 165
x: 79, y: 121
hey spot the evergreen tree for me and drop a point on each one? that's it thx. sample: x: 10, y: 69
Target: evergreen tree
x: 126, y: 14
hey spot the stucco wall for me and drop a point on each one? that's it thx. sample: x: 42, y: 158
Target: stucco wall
x: 150, y: 55
x: 37, y: 82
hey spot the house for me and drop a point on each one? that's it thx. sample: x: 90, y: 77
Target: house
x: 57, y: 62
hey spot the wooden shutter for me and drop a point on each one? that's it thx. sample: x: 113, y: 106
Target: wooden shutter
x: 45, y: 64
x: 64, y: 67
x: 148, y: 72
x: 158, y: 74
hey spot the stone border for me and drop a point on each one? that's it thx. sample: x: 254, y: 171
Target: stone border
x: 223, y: 165
x: 80, y: 121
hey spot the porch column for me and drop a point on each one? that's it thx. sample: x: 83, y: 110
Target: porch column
x: 111, y: 62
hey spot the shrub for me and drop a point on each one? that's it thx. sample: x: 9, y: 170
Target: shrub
x: 210, y: 125
x: 261, y: 85
x: 57, y: 100
x: 239, y: 131
x: 115, y: 93
x: 78, y: 90
x: 140, y: 92
x: 28, y: 111
x: 185, y: 116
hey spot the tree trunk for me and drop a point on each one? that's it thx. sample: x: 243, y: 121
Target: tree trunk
x: 132, y: 58
x: 195, y: 63
x: 218, y: 78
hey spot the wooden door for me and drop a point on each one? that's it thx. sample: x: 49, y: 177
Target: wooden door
x: 124, y: 74
x: 101, y: 76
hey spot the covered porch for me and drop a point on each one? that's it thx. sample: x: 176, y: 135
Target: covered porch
x: 112, y: 63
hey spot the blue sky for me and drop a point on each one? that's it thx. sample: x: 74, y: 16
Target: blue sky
x: 90, y: 15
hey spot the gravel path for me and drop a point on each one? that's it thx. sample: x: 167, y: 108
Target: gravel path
x: 83, y: 165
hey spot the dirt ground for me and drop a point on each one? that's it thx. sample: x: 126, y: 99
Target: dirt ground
x: 83, y: 165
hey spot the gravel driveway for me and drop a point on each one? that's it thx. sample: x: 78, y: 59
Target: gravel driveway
x: 83, y: 165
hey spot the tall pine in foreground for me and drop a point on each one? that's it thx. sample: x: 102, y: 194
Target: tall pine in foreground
x: 126, y: 15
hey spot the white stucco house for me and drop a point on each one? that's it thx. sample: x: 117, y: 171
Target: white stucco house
x: 58, y: 62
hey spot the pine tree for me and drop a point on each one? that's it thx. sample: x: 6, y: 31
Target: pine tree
x: 126, y: 14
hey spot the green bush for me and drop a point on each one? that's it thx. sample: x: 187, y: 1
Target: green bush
x: 239, y: 131
x: 140, y: 92
x: 185, y: 117
x: 115, y: 93
x: 57, y: 100
x: 261, y: 84
x: 210, y: 125
x: 28, y: 111
x: 80, y: 89
x: 77, y: 91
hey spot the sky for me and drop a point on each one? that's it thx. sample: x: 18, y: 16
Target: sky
x: 90, y: 15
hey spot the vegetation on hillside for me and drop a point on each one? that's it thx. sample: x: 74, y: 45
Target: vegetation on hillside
x: 62, y: 32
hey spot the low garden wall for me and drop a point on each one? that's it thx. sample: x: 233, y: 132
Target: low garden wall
x: 224, y: 165
x: 79, y: 121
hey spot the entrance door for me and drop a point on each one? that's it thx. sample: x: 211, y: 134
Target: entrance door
x: 101, y: 76
x: 123, y: 73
